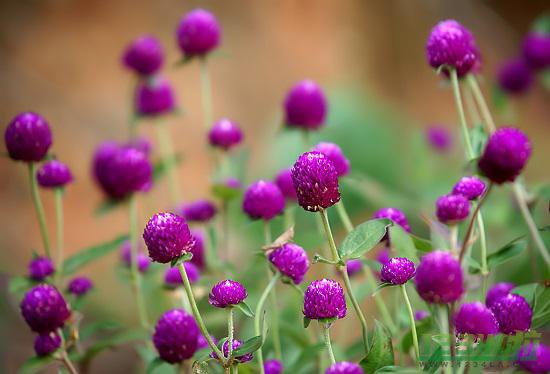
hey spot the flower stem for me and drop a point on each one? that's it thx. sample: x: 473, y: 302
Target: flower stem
x: 169, y: 161
x: 39, y: 208
x: 230, y: 331
x: 59, y: 230
x: 461, y: 115
x: 483, y: 254
x: 289, y: 216
x: 326, y: 334
x: 258, y: 315
x: 413, y: 324
x: 344, y: 216
x: 64, y: 356
x: 206, y: 91
x: 478, y: 96
x: 444, y: 326
x: 453, y: 238
x: 471, y: 224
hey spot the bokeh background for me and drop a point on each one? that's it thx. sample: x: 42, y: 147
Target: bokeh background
x: 62, y: 59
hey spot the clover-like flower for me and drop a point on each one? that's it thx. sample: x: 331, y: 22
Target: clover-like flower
x: 439, y: 138
x: 513, y: 314
x: 176, y: 336
x: 336, y: 155
x: 225, y: 134
x: 439, y: 278
x: 54, y: 174
x: 154, y: 97
x: 200, y: 210
x: 40, y: 268
x: 475, y: 318
x: 167, y: 237
x: 395, y: 215
x: 397, y: 270
x: 28, y: 137
x: 515, y: 77
x: 263, y: 200
x: 344, y: 367
x: 227, y: 293
x: 173, y: 279
x: 534, y: 358
x: 236, y: 344
x: 451, y: 209
x: 497, y: 291
x: 469, y: 187
x: 536, y: 50
x: 283, y: 180
x: 44, y: 308
x: 273, y: 366
x: 291, y: 260
x: 305, y: 106
x: 198, y: 33
x: 324, y: 299
x: 144, y: 55
x: 79, y: 286
x: 47, y: 343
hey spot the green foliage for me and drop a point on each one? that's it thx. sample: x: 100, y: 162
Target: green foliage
x: 363, y: 238
x: 249, y: 346
x: 88, y: 255
x: 35, y: 364
x: 381, y: 350
x: 403, y: 243
x: 245, y: 309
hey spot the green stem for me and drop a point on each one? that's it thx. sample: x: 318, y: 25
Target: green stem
x: 39, y: 208
x: 64, y: 356
x: 289, y: 217
x: 453, y: 238
x: 258, y: 316
x: 326, y: 335
x: 59, y: 230
x: 344, y: 216
x: 413, y: 324
x: 206, y: 91
x: 230, y: 331
x: 483, y: 254
x: 136, y: 276
x: 478, y: 96
x: 461, y: 115
x: 169, y: 160
x: 444, y: 326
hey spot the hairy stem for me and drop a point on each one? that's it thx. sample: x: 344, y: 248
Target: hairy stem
x: 328, y: 345
x: 461, y: 115
x: 59, y: 231
x: 480, y: 100
x: 169, y: 161
x: 136, y: 276
x: 230, y: 331
x: 471, y: 224
x: 274, y: 311
x: 206, y: 92
x: 258, y: 316
x: 413, y: 324
x: 39, y: 208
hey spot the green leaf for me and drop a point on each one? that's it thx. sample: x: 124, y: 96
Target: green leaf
x: 108, y: 205
x: 307, y: 321
x: 363, y: 238
x: 20, y: 284
x: 434, y: 361
x: 500, y: 99
x: 473, y: 264
x: 245, y: 308
x: 422, y: 327
x: 439, y: 234
x: 396, y: 369
x: 85, y: 256
x: 225, y: 193
x: 538, y: 297
x: 90, y: 329
x: 542, y: 24
x: 506, y: 253
x: 35, y: 364
x: 478, y: 136
x: 373, y: 264
x: 155, y: 364
x: 117, y: 339
x: 381, y: 350
x: 161, y: 167
x: 403, y: 243
x: 318, y: 258
x: 421, y: 244
x: 187, y: 256
x: 202, y: 354
x: 249, y: 346
x: 305, y: 358
x: 381, y: 286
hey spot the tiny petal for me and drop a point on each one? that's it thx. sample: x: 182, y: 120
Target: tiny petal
x: 236, y: 344
x: 475, y: 318
x: 513, y: 314
x: 344, y: 367
x: 173, y: 279
x: 40, y: 268
x: 283, y: 180
x: 394, y: 214
x: 469, y: 187
x: 354, y: 266
x: 154, y: 97
x: 497, y: 291
x: 144, y: 55
x: 47, y: 343
x: 225, y: 134
x: 80, y: 286
x: 201, y: 210
x: 273, y: 366
x: 335, y: 154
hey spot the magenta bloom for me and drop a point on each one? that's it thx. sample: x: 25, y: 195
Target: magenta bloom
x: 439, y: 137
x: 335, y: 154
x: 176, y: 336
x: 394, y: 215
x: 534, y: 359
x: 203, y: 343
x: 354, y: 266
x: 28, y: 137
x: 439, y: 278
x: 497, y: 291
x: 225, y: 134
x: 291, y: 260
x: 198, y: 249
x: 167, y: 237
x: 324, y: 299
x: 273, y: 366
x: 201, y: 210
x: 154, y: 97
x: 44, y: 309
x: 315, y: 181
x: 143, y: 261
x: 283, y: 180
x: 227, y: 293
x: 536, y: 50
x: 475, y: 318
x: 232, y: 182
x: 505, y: 155
x: 263, y: 200
x: 53, y: 174
x: 419, y: 315
x: 236, y: 344
x: 513, y: 313
x: 469, y: 187
x: 47, y: 343
x: 40, y: 268
x: 198, y: 33
x: 397, y: 270
x: 451, y: 209
x: 173, y: 279
x: 80, y: 286
x: 144, y: 55
x: 514, y: 77
x: 344, y: 367
x: 141, y: 144
x: 305, y: 106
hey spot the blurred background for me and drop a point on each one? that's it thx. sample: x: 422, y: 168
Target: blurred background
x: 63, y: 59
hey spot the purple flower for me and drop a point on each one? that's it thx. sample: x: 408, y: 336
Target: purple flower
x: 451, y: 209
x: 324, y: 299
x: 40, y: 268
x: 395, y: 215
x: 273, y: 366
x: 513, y: 313
x: 439, y: 137
x: 305, y: 106
x: 28, y: 137
x: 198, y: 33
x: 236, y: 344
x: 80, y: 286
x: 141, y: 144
x: 53, y: 174
x: 167, y: 237
x: 225, y: 134
x: 315, y: 181
x: 505, y: 155
x: 144, y: 55
x: 419, y: 315
x: 227, y: 293
x: 353, y: 266
x: 497, y: 291
x: 198, y: 249
x: 514, y: 77
x: 291, y: 260
x: 47, y: 343
x: 154, y: 97
x: 469, y: 187
x: 200, y: 210
x: 143, y: 261
x: 283, y: 180
x: 44, y: 309
x: 335, y: 154
x: 439, y: 278
x: 451, y: 45
x: 397, y: 270
x: 203, y: 343
x: 534, y: 359
x: 232, y: 182
x: 173, y: 279
x: 536, y: 50
x: 176, y: 336
x: 263, y: 200
x: 344, y: 367
x: 475, y: 318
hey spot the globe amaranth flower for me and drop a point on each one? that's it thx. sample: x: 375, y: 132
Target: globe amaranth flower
x: 344, y: 367
x: 80, y: 286
x: 514, y: 77
x: 419, y: 315
x: 154, y: 97
x: 203, y: 343
x: 143, y: 261
x: 451, y: 209
x: 144, y: 55
x: 44, y: 309
x: 439, y: 138
x: 40, y: 268
x: 534, y: 359
x: 236, y: 344
x: 176, y: 336
x: 439, y: 278
x: 505, y: 155
x: 497, y: 291
x: 451, y: 45
x: 28, y: 137
x: 335, y: 154
x: 291, y: 260
x: 173, y: 279
x: 536, y: 50
x: 227, y: 293
x: 47, y: 343
x: 141, y: 144
x: 198, y: 33
x: 316, y: 181
x: 273, y: 366
x: 167, y: 237
x: 469, y: 187
x: 198, y: 249
x: 397, y: 270
x: 475, y: 318
x: 305, y: 106
x: 201, y: 210
x: 53, y: 174
x: 225, y: 134
x: 324, y: 299
x: 263, y: 200
x: 513, y: 314
x: 353, y: 266
x: 283, y: 180
x: 395, y: 215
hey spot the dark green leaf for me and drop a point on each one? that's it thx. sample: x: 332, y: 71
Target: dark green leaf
x: 249, y: 346
x: 155, y: 364
x: 35, y: 364
x: 506, y: 253
x: 20, y: 284
x: 528, y: 292
x: 403, y: 243
x: 381, y: 350
x: 473, y: 264
x: 538, y: 297
x: 363, y: 238
x: 421, y: 244
x: 202, y: 355
x: 307, y: 321
x: 381, y: 286
x: 85, y: 256
x: 542, y: 24
x: 434, y: 362
x: 161, y: 167
x: 243, y: 307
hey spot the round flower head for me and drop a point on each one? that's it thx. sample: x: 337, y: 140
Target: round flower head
x: 439, y: 138
x: 324, y: 299
x: 534, y: 359
x: 513, y: 313
x: 395, y: 215
x: 154, y: 97
x: 44, y: 309
x: 200, y: 210
x: 227, y: 293
x: 497, y: 291
x: 514, y: 77
x: 40, y: 268
x: 143, y: 261
x: 53, y: 174
x: 80, y: 286
x: 353, y: 266
x: 316, y: 181
x: 225, y: 134
x: 263, y: 200
x: 144, y: 55
x: 335, y: 154
x: 28, y: 137
x: 283, y: 180
x: 273, y: 366
x: 536, y: 50
x: 305, y: 106
x: 176, y: 336
x: 291, y: 260
x: 397, y: 270
x: 439, y: 278
x: 198, y: 33
x: 203, y: 343
x: 469, y: 187
x: 451, y: 45
x: 172, y: 276
x: 419, y: 315
x: 475, y: 318
x: 47, y: 343
x: 236, y: 344
x: 344, y: 367
x: 505, y: 155
x: 167, y: 237
x: 140, y: 143
x: 198, y: 249
x: 451, y: 209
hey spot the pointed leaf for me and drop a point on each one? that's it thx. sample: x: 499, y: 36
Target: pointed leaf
x: 245, y: 308
x: 225, y: 193
x: 187, y: 256
x: 506, y: 253
x: 363, y: 238
x: 381, y: 350
x: 307, y: 321
x: 202, y: 354
x: 20, y: 284
x: 421, y: 244
x: 249, y: 346
x: 35, y: 364
x: 434, y: 361
x: 403, y: 243
x: 155, y: 364
x: 381, y: 286
x: 85, y: 256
